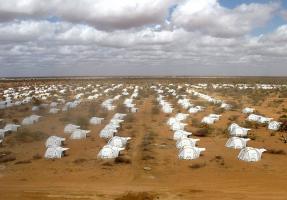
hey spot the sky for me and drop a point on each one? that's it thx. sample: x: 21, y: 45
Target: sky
x: 143, y: 38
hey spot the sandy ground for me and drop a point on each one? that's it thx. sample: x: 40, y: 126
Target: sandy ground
x: 80, y: 175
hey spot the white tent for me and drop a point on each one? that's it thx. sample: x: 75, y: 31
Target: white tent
x: 53, y: 104
x: 54, y: 141
x: 167, y: 109
x: 96, y: 120
x: 264, y: 120
x: 79, y: 134
x: 178, y: 126
x: 186, y: 142
x: 236, y: 142
x: 225, y: 106
x: 232, y: 126
x: 109, y: 152
x: 258, y: 118
x: 118, y: 141
x: 248, y: 110
x: 2, y: 133
x: 54, y: 110
x: 208, y: 120
x: 250, y: 154
x: 30, y: 120
x: 190, y: 153
x: 55, y: 152
x: 119, y: 116
x: 181, y: 134
x: 215, y: 116
x: 274, y: 125
x: 11, y: 127
x: 69, y: 128
x: 239, y: 131
x: 35, y: 108
x: 181, y: 116
x: 171, y: 121
x: 195, y: 109
x: 107, y: 133
x: 253, y: 117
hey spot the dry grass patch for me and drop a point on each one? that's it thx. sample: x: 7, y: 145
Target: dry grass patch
x: 137, y: 196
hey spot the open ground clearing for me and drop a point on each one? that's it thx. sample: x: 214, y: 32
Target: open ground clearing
x: 149, y: 167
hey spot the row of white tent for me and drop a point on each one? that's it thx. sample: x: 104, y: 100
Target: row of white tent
x: 241, y: 86
x: 54, y: 143
x: 210, y: 119
x: 108, y: 104
x: 186, y: 145
x: 129, y: 101
x: 55, y: 149
x: 210, y: 99
x: 238, y: 140
x: 115, y: 144
x: 272, y: 125
x: 186, y: 104
x: 165, y: 106
x: 25, y: 94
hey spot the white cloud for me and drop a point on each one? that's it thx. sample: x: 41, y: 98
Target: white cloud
x: 104, y: 14
x: 132, y: 37
x: 209, y: 17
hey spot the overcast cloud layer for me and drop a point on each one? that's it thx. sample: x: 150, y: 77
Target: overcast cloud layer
x: 140, y: 37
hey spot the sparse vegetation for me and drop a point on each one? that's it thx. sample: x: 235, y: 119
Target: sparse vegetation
x: 276, y: 151
x: 197, y: 165
x: 83, y: 122
x: 155, y: 110
x: 123, y: 160
x: 7, y: 156
x: 25, y: 135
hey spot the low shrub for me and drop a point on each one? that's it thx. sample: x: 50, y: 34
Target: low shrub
x: 25, y: 135
x: 218, y: 110
x: 276, y: 151
x: 155, y: 110
x: 197, y: 165
x: 250, y: 124
x: 202, y: 132
x: 129, y: 118
x: 252, y: 136
x: 79, y: 160
x: 36, y: 101
x: 23, y: 162
x: 233, y: 118
x: 7, y: 156
x: 283, y: 120
x: 82, y: 122
x: 37, y: 156
x: 138, y: 196
x: 195, y: 122
x: 123, y: 160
